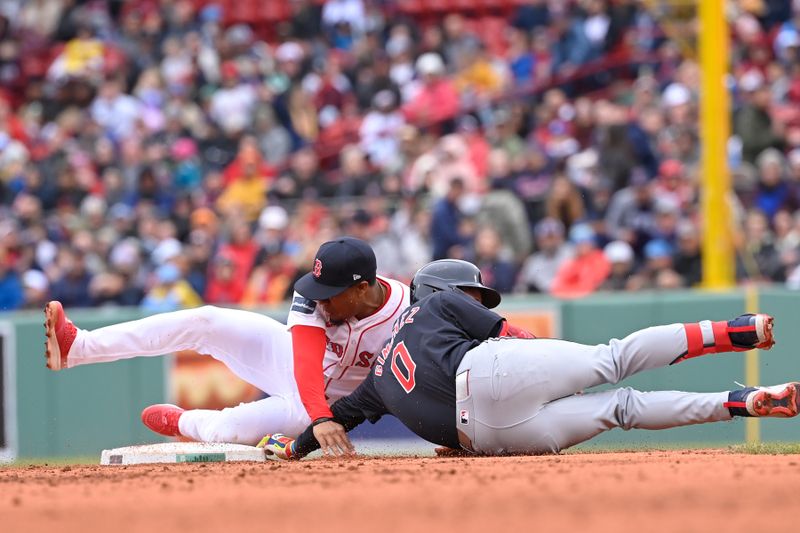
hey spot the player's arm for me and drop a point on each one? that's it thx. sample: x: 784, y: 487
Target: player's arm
x: 510, y: 330
x: 348, y: 412
x: 307, y: 327
x: 308, y: 351
x: 474, y: 319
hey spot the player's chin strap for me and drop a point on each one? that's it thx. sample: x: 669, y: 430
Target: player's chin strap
x: 507, y: 330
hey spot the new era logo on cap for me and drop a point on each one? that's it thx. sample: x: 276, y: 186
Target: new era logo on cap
x: 338, y: 265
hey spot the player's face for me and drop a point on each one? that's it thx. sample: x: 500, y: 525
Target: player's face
x: 344, y: 305
x: 475, y: 293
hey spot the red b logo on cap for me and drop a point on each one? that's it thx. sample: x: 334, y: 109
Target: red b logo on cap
x: 317, y: 268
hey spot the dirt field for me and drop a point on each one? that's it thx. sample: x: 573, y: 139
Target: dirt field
x: 692, y: 491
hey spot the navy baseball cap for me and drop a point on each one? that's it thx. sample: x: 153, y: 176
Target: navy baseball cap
x: 338, y: 265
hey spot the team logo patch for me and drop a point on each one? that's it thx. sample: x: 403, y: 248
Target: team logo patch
x: 303, y: 305
x: 463, y: 417
x: 317, y: 268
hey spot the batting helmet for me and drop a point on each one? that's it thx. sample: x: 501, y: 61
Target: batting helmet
x: 450, y: 274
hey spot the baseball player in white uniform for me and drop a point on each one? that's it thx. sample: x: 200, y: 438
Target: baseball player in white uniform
x: 341, y: 315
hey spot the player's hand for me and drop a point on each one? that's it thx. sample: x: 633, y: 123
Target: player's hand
x: 333, y: 439
x: 278, y: 445
x: 519, y: 333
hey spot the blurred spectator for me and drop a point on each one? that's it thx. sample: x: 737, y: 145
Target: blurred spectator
x: 667, y: 218
x: 657, y: 271
x: 272, y: 279
x: 479, y: 77
x: 620, y: 256
x: 350, y: 12
x: 752, y: 122
x: 379, y: 131
x: 224, y: 286
x: 446, y: 232
x: 772, y: 192
x: 758, y: 258
x: 273, y: 139
x: 82, y: 56
x: 531, y: 14
x: 37, y: 289
x: 586, y: 271
x: 71, y: 285
x: 115, y: 111
x: 540, y: 269
x: 436, y: 99
x: 147, y: 189
x: 450, y: 159
x: 631, y: 213
x: 12, y: 294
x: 688, y: 257
x: 564, y: 202
x: 506, y: 213
x: 170, y: 292
x: 247, y: 181
x: 241, y: 249
x: 356, y: 177
x: 304, y: 180
x: 232, y: 105
x: 188, y: 172
x: 496, y: 270
x: 411, y: 226
x: 673, y: 184
x: 521, y: 59
x: 199, y: 254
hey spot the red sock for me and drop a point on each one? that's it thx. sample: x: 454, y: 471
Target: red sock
x: 705, y: 337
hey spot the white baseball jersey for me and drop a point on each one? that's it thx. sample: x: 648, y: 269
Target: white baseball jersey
x: 352, y: 346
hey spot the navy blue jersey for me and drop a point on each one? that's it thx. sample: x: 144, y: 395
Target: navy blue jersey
x: 414, y: 376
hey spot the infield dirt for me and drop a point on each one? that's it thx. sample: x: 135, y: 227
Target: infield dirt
x: 687, y: 491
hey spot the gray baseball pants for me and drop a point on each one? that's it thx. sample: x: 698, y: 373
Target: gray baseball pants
x: 525, y: 395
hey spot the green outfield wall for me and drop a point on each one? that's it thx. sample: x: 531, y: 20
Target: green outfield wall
x: 81, y: 411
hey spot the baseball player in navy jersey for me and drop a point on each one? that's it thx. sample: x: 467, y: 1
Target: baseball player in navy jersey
x: 341, y: 314
x: 450, y: 374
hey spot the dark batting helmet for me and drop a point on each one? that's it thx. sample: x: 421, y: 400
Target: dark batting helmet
x: 450, y: 274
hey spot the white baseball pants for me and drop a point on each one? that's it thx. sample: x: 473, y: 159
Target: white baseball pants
x: 256, y: 348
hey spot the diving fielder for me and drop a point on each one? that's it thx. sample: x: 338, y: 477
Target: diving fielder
x: 341, y: 315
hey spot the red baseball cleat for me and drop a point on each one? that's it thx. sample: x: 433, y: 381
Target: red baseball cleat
x: 780, y: 401
x: 60, y: 333
x: 162, y: 418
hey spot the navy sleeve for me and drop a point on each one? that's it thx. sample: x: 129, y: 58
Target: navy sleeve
x: 473, y: 318
x: 364, y: 403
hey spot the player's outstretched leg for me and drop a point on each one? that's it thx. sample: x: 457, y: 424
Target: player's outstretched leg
x: 246, y: 423
x: 744, y: 332
x: 163, y: 418
x: 551, y: 368
x: 780, y: 401
x: 60, y: 333
x: 578, y: 418
x: 254, y: 347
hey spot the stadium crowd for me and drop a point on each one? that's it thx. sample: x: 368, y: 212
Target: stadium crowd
x: 162, y: 154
